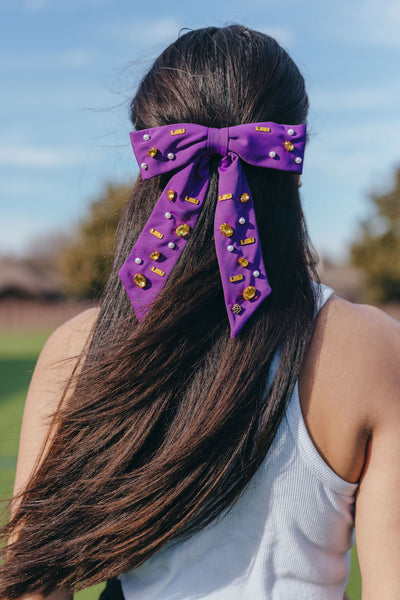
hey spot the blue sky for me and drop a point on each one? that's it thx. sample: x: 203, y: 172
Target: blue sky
x: 69, y: 68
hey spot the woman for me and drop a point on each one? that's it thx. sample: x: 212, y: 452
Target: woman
x: 190, y: 463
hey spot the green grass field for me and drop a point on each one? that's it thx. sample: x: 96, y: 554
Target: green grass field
x: 18, y: 353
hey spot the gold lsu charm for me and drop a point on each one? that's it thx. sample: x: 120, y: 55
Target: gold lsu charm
x: 192, y: 200
x: 156, y: 233
x: 225, y: 197
x: 249, y: 240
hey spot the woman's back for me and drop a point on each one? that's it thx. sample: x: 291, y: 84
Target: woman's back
x: 352, y: 343
x: 288, y: 536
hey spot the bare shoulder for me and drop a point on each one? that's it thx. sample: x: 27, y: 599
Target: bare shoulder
x: 350, y: 381
x: 56, y: 363
x: 362, y: 345
x: 70, y: 338
x: 363, y: 316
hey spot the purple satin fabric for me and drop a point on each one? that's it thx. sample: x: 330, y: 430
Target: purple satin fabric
x: 186, y: 148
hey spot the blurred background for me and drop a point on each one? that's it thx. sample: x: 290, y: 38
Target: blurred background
x: 68, y: 70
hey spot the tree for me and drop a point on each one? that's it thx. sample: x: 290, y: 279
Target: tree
x: 377, y: 249
x: 85, y: 262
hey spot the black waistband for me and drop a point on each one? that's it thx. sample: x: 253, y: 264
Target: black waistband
x: 112, y: 591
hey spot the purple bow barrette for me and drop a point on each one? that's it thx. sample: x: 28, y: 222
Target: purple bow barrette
x: 188, y: 147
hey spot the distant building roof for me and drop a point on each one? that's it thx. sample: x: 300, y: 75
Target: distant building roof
x: 21, y: 279
x: 345, y: 279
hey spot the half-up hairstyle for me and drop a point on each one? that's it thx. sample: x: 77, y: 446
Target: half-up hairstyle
x: 170, y: 418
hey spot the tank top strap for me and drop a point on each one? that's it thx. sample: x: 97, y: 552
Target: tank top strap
x: 322, y: 293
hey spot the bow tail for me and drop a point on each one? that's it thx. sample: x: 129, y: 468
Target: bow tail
x: 238, y: 246
x: 164, y: 236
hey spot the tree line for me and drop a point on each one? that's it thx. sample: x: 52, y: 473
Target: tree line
x: 84, y: 262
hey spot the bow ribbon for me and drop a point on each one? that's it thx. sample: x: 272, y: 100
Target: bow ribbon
x: 187, y: 147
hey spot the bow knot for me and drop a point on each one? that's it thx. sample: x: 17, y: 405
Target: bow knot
x: 217, y: 141
x: 185, y: 148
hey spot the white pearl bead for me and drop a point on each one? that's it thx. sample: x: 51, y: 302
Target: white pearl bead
x: 138, y: 261
x: 170, y: 155
x: 171, y: 245
x: 146, y: 137
x: 242, y: 220
x: 167, y: 215
x: 298, y: 160
x: 230, y: 248
x: 290, y: 131
x: 272, y: 154
x: 256, y: 273
x: 143, y: 166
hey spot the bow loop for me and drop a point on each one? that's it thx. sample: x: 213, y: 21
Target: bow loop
x: 186, y: 149
x: 163, y: 149
x: 269, y: 145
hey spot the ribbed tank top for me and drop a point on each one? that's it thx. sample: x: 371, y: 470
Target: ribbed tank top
x: 288, y: 537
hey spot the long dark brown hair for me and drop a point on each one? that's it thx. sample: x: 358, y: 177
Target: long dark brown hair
x: 170, y: 418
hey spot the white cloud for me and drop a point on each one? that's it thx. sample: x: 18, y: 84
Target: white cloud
x: 349, y: 162
x: 371, y: 22
x: 74, y: 58
x: 343, y: 165
x: 77, y: 58
x: 361, y: 98
x: 372, y: 136
x: 29, y: 156
x: 62, y: 97
x: 16, y: 231
x: 383, y: 18
x: 20, y: 186
x: 35, y: 5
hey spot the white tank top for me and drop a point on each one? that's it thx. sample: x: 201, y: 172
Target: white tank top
x: 288, y: 537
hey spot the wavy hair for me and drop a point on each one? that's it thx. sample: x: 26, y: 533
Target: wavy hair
x: 168, y: 419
